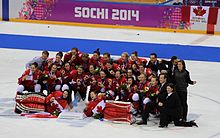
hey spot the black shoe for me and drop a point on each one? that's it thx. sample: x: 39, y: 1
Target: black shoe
x: 184, y: 119
x: 20, y: 93
x: 162, y: 126
x: 193, y: 124
x: 157, y: 116
x: 18, y: 111
x: 142, y: 122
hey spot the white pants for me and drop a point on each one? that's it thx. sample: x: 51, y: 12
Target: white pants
x: 65, y: 87
x: 37, y: 88
x: 135, y: 97
x: 146, y: 100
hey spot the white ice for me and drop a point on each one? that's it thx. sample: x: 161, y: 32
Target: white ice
x: 203, y: 98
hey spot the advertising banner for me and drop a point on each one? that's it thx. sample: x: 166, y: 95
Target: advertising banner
x: 102, y: 13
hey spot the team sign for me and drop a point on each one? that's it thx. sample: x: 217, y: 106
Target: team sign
x: 104, y: 13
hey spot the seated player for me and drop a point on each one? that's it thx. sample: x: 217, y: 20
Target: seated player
x: 57, y: 101
x: 152, y: 90
x: 28, y: 80
x: 95, y: 100
x: 54, y: 80
x: 149, y: 102
x: 110, y: 68
x: 78, y: 83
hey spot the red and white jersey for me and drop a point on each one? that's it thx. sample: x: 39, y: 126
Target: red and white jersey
x: 138, y: 61
x: 96, y: 62
x: 66, y: 76
x: 85, y: 64
x: 31, y: 79
x: 110, y: 86
x: 102, y: 82
x: 78, y: 82
x: 119, y: 81
x: 143, y: 60
x: 77, y: 76
x: 152, y: 89
x: 74, y: 62
x: 59, y: 102
x: 50, y: 61
x: 124, y: 64
x: 90, y: 79
x: 115, y: 67
x: 54, y: 77
x: 68, y: 56
x: 147, y: 72
x: 143, y: 86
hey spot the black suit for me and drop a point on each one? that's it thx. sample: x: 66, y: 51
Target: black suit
x: 153, y: 66
x: 170, y: 70
x: 172, y: 111
x: 156, y: 66
x: 172, y: 105
x: 163, y: 93
x: 169, y: 65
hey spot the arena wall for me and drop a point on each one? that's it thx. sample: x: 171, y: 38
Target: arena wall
x: 0, y: 10
x: 101, y: 14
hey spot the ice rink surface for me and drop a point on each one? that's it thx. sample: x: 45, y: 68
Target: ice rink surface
x: 203, y: 98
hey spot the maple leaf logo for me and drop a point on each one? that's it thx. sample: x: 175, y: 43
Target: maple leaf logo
x: 199, y: 11
x: 99, y: 109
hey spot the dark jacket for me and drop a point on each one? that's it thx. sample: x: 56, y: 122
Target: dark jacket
x: 170, y: 67
x: 181, y: 80
x: 172, y: 105
x: 153, y: 66
x: 156, y: 66
x: 163, y: 93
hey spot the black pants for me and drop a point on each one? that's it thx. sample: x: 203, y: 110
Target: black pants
x: 183, y: 98
x: 148, y: 108
x: 166, y: 118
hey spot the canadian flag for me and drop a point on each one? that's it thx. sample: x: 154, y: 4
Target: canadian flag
x: 201, y: 14
x: 99, y: 107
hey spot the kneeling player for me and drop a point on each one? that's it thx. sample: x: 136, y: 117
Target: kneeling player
x: 28, y: 80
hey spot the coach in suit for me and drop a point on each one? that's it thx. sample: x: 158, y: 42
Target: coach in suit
x: 171, y: 110
x: 171, y: 66
x: 162, y: 88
